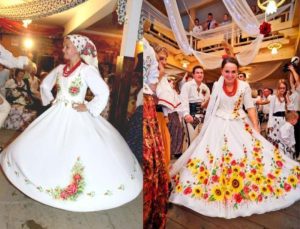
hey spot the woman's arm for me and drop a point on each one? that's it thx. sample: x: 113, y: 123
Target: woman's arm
x: 47, y: 85
x: 253, y: 118
x: 99, y: 88
x: 249, y: 105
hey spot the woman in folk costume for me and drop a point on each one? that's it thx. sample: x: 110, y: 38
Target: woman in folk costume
x: 169, y: 100
x: 154, y: 167
x: 70, y: 157
x: 162, y: 56
x: 279, y: 104
x: 9, y: 61
x: 230, y: 170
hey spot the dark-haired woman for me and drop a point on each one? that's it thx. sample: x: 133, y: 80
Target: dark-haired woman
x: 18, y: 94
x: 230, y: 170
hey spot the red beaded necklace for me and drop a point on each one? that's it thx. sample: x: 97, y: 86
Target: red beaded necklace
x: 230, y: 93
x: 67, y: 72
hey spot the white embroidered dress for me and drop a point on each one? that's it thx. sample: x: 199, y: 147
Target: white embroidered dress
x: 230, y: 170
x: 73, y: 160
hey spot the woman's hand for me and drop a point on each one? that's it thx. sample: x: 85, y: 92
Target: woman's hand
x: 80, y: 107
x: 166, y: 119
x: 188, y: 118
x: 257, y: 128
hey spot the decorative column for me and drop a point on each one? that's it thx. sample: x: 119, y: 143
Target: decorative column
x: 125, y: 66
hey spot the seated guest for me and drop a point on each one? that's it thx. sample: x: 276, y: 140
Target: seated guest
x: 18, y: 94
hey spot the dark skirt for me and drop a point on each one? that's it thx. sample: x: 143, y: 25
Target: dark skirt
x: 176, y: 132
x: 154, y: 168
x: 134, y: 136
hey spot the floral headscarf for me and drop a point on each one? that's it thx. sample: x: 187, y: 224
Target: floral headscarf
x: 86, y: 48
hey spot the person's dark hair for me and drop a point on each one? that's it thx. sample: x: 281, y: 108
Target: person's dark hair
x: 18, y: 70
x: 210, y: 14
x: 196, y: 67
x: 271, y: 90
x: 226, y: 14
x: 230, y: 60
x: 196, y: 19
x: 242, y: 73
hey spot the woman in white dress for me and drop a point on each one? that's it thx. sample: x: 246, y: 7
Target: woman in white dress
x: 230, y: 170
x: 279, y: 104
x: 70, y: 157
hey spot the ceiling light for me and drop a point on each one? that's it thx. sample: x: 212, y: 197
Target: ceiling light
x: 270, y: 6
x: 274, y: 46
x: 26, y: 22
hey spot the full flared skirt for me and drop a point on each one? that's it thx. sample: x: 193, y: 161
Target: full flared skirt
x: 73, y: 161
x: 233, y: 171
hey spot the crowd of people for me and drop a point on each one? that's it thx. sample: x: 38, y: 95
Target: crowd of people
x: 212, y: 131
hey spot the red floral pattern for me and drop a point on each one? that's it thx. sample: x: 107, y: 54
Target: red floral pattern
x: 154, y: 168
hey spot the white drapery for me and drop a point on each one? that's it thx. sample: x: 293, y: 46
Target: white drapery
x: 242, y: 16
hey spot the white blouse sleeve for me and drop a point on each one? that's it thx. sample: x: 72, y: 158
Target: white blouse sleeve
x: 99, y: 88
x: 248, y: 101
x: 47, y: 85
x: 7, y: 59
x: 184, y: 98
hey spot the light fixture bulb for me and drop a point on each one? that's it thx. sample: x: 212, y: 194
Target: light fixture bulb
x: 28, y: 43
x: 271, y: 7
x: 26, y: 22
x: 274, y: 51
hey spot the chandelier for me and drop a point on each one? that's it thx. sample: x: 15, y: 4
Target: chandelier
x: 185, y: 63
x: 274, y: 46
x: 270, y: 6
x: 37, y: 8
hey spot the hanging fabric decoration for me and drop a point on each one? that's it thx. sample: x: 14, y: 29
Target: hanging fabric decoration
x: 242, y: 16
x: 121, y: 12
x: 37, y: 8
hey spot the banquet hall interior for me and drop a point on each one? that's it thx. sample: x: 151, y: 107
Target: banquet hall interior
x: 264, y: 64
x: 36, y: 29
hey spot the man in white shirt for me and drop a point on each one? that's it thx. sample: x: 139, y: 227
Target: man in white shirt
x: 210, y: 23
x: 194, y: 98
x: 265, y: 102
